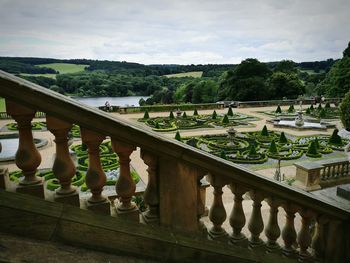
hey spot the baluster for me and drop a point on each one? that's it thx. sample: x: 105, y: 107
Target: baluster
x: 95, y: 177
x: 256, y: 224
x: 217, y: 212
x: 27, y: 156
x: 151, y: 195
x: 272, y: 230
x: 318, y: 239
x: 237, y: 217
x: 304, y: 235
x: 63, y: 167
x: 289, y: 234
x: 200, y: 204
x: 125, y: 185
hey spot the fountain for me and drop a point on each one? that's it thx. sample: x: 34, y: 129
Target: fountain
x: 299, y: 120
x: 231, y: 136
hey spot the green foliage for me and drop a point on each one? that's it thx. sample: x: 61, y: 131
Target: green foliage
x: 345, y: 111
x: 328, y: 105
x: 319, y: 107
x: 273, y: 147
x: 291, y: 108
x: 346, y: 52
x: 146, y: 115
x: 184, y: 115
x: 157, y: 125
x: 278, y: 110
x: 308, y: 111
x: 214, y: 115
x: 322, y: 113
x: 285, y: 85
x: 178, y: 136
x: 312, y: 107
x: 335, y: 138
x: 312, y: 150
x: 252, y: 151
x: 283, y: 138
x: 230, y: 112
x: 264, y: 131
x: 286, y: 66
x: 171, y: 115
x: 195, y: 113
x: 223, y: 155
x: 225, y: 120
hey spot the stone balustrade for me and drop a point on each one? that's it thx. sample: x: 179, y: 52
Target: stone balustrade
x: 173, y: 195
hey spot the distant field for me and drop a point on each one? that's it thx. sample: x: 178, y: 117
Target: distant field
x: 311, y: 72
x: 52, y: 76
x: 2, y: 105
x: 194, y: 74
x: 65, y: 68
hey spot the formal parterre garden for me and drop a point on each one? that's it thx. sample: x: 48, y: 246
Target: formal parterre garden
x: 318, y: 112
x: 260, y: 146
x: 196, y: 121
x: 109, y: 161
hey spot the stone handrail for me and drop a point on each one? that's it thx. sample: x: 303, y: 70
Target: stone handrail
x: 173, y: 192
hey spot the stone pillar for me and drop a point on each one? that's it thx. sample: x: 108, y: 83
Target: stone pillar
x: 272, y: 230
x: 289, y: 234
x: 95, y: 176
x: 27, y: 156
x: 63, y: 167
x: 256, y: 224
x: 125, y: 185
x: 4, y: 178
x: 308, y: 175
x: 304, y: 235
x: 151, y: 195
x: 319, y: 240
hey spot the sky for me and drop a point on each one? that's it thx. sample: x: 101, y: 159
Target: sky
x: 175, y: 32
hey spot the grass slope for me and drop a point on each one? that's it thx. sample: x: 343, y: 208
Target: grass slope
x: 2, y: 105
x: 194, y: 74
x: 65, y: 68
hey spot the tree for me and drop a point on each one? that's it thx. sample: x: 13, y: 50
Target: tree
x: 283, y: 138
x: 230, y: 112
x: 146, y: 115
x: 223, y: 155
x: 273, y: 147
x: 171, y: 115
x: 346, y: 52
x: 142, y: 102
x: 225, y: 120
x: 291, y: 108
x: 264, y: 131
x: 205, y: 91
x: 286, y: 66
x: 285, y: 85
x: 345, y: 111
x: 195, y: 113
x: 184, y: 115
x: 214, y: 115
x: 278, y: 110
x: 252, y: 151
x: 335, y: 138
x: 178, y: 136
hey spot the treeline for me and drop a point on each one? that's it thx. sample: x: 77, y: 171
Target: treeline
x: 18, y: 67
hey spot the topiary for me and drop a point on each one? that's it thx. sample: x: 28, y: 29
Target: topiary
x: 317, y: 143
x: 178, y: 136
x: 252, y: 151
x: 335, y: 138
x: 184, y: 115
x: 195, y: 113
x: 345, y: 111
x: 157, y: 125
x: 322, y: 113
x: 308, y: 111
x: 214, y: 115
x: 230, y: 112
x: 264, y: 131
x: 312, y: 150
x: 283, y: 139
x: 225, y: 120
x: 312, y: 107
x: 146, y: 115
x: 171, y: 115
x: 327, y: 105
x: 319, y: 107
x: 223, y: 155
x: 273, y: 147
x: 291, y: 108
x: 278, y: 110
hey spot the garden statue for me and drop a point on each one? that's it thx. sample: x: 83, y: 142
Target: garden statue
x: 231, y: 135
x: 299, y: 120
x: 178, y: 113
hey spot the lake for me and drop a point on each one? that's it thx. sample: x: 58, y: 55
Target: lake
x: 113, y: 101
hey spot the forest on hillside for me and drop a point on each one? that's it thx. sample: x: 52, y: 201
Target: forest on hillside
x: 249, y: 80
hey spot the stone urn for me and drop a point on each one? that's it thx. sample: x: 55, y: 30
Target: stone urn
x: 231, y: 136
x: 345, y: 135
x: 299, y: 120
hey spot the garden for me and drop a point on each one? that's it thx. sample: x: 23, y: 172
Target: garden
x: 184, y: 122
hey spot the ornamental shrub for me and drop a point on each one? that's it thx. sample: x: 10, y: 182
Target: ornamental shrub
x: 283, y: 138
x: 273, y: 147
x: 317, y: 143
x: 308, y: 111
x: 319, y: 107
x: 146, y: 115
x: 225, y: 120
x: 171, y: 115
x: 335, y: 138
x: 195, y: 113
x: 327, y: 105
x: 214, y: 115
x: 184, y: 115
x: 252, y: 150
x: 264, y: 131
x: 157, y: 125
x: 312, y: 149
x: 345, y: 111
x: 178, y: 136
x: 278, y: 110
x: 312, y: 107
x: 291, y: 108
x: 223, y: 155
x: 322, y: 113
x: 230, y: 112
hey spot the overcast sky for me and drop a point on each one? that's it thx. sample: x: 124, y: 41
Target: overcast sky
x: 175, y: 32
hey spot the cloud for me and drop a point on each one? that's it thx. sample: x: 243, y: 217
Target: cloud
x: 192, y: 31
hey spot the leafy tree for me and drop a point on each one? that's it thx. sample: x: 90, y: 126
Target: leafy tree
x: 312, y: 107
x: 178, y: 136
x: 230, y: 112
x: 278, y: 110
x: 264, y: 131
x: 346, y: 52
x: 205, y: 91
x: 345, y: 111
x: 146, y: 115
x: 142, y: 102
x: 286, y: 66
x: 285, y: 85
x: 225, y: 120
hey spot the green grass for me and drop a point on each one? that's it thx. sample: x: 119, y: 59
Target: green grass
x: 194, y: 74
x: 2, y: 105
x: 311, y: 72
x: 52, y: 76
x: 65, y: 68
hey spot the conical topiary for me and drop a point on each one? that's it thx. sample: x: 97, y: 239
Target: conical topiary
x: 291, y: 108
x: 230, y: 112
x: 322, y: 113
x: 264, y: 131
x: 317, y: 143
x: 273, y: 147
x: 308, y: 111
x: 146, y: 115
x: 157, y: 125
x: 214, y: 115
x: 178, y: 136
x: 319, y: 107
x: 312, y: 149
x: 184, y: 115
x: 327, y: 105
x: 195, y: 113
x: 283, y: 138
x: 223, y: 155
x: 225, y: 120
x: 171, y: 115
x: 335, y: 138
x: 278, y: 110
x: 312, y: 107
x: 238, y: 154
x: 252, y: 150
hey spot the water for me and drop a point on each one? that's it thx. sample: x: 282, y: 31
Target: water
x: 9, y: 147
x: 305, y: 125
x: 113, y: 101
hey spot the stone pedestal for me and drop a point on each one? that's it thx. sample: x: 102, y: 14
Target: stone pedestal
x: 308, y: 176
x: 103, y: 207
x: 4, y: 178
x: 70, y: 199
x: 33, y: 189
x: 344, y: 191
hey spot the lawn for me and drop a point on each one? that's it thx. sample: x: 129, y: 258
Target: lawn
x: 2, y: 105
x: 194, y: 74
x: 65, y: 68
x: 52, y: 76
